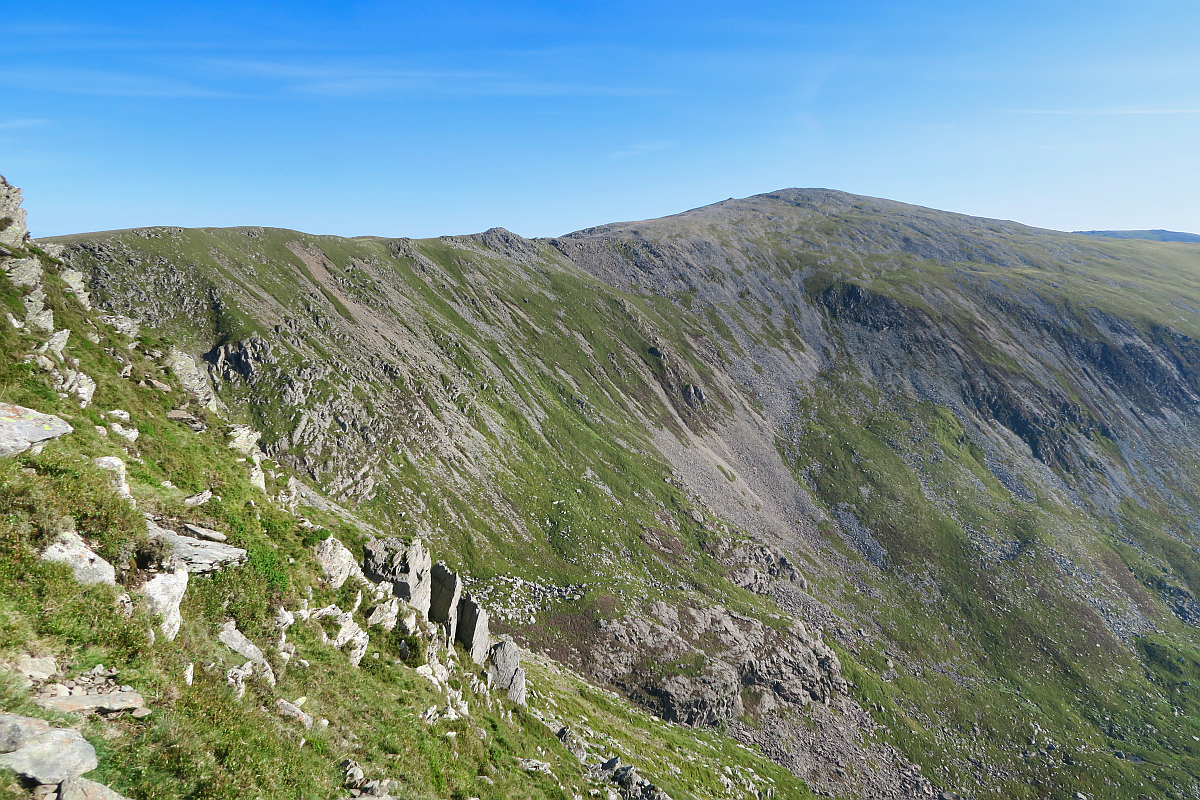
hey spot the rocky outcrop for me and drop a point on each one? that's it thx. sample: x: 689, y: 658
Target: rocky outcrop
x: 407, y: 567
x: 197, y: 555
x: 473, y: 631
x: 24, y: 429
x: 337, y: 562
x: 693, y: 665
x: 444, y: 595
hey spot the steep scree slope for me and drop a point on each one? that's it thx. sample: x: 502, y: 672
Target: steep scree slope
x: 868, y: 485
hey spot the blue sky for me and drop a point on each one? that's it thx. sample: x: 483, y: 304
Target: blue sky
x: 419, y: 119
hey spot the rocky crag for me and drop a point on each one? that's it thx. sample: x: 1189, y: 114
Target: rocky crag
x: 901, y: 499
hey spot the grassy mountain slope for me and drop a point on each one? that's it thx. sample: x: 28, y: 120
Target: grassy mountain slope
x: 200, y: 741
x: 963, y: 449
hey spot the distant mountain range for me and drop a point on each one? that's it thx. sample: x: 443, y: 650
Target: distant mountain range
x: 1155, y: 235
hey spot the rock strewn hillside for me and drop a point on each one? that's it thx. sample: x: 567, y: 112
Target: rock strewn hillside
x: 673, y: 452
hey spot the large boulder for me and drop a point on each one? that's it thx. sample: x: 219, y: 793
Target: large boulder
x: 444, y: 594
x: 163, y: 594
x: 406, y: 566
x: 473, y: 629
x: 506, y: 672
x: 53, y: 756
x: 23, y: 428
x: 88, y: 567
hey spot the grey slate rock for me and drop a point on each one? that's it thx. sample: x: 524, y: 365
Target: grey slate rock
x: 88, y: 567
x: 22, y: 428
x: 236, y: 641
x: 406, y: 567
x: 83, y: 789
x: 473, y: 628
x: 163, y: 593
x: 84, y: 703
x: 337, y: 562
x: 196, y: 554
x: 445, y: 592
x: 294, y: 711
x: 506, y: 671
x: 17, y: 731
x: 52, y: 757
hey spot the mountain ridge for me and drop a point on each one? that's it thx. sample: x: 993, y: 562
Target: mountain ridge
x: 867, y: 486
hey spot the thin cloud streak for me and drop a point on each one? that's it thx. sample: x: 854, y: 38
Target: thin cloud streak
x: 1114, y: 111
x: 95, y: 82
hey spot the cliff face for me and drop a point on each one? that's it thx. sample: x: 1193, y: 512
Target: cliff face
x: 866, y: 484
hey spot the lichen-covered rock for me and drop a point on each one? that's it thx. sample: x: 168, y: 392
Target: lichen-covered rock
x: 22, y: 428
x: 506, y: 672
x: 16, y: 731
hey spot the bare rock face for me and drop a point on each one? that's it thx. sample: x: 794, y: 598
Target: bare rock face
x: 384, y: 614
x: 23, y: 428
x: 473, y: 629
x: 709, y: 656
x: 13, y: 232
x: 88, y: 567
x: 407, y: 567
x: 163, y: 593
x: 445, y: 593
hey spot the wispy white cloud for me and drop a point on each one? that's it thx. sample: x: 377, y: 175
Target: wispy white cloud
x: 96, y: 82
x: 1102, y: 111
x: 641, y: 148
x: 355, y: 80
x: 14, y: 124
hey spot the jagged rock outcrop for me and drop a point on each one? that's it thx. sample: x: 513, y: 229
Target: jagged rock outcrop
x: 197, y: 555
x: 163, y: 593
x: 445, y: 592
x: 407, y: 567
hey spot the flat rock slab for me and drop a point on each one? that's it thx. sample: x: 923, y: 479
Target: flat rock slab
x: 57, y: 755
x: 196, y: 554
x: 201, y: 532
x: 17, y: 731
x: 83, y: 703
x: 22, y: 428
x: 83, y: 789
